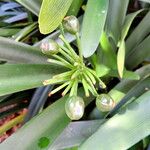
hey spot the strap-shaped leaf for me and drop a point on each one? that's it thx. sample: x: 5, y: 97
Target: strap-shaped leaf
x: 75, y: 7
x: 124, y: 129
x: 20, y: 52
x: 6, y: 32
x: 121, y: 58
x: 32, y: 5
x: 22, y: 34
x: 138, y: 54
x: 19, y: 77
x: 108, y: 54
x: 51, y: 14
x: 115, y: 18
x: 120, y: 90
x: 139, y: 33
x: 128, y: 21
x: 121, y: 52
x: 133, y: 93
x: 93, y: 25
x: 75, y: 133
x: 126, y: 74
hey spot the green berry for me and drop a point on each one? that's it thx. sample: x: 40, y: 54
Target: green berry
x: 104, y: 102
x: 74, y: 107
x: 71, y: 24
x: 49, y: 47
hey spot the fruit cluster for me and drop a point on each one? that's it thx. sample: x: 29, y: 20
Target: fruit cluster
x: 77, y: 72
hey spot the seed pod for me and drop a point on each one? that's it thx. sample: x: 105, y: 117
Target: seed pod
x: 49, y: 47
x: 74, y: 107
x: 71, y: 24
x: 104, y: 102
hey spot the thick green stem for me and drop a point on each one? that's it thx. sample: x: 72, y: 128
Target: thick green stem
x: 73, y: 91
x: 56, y: 81
x: 79, y: 45
x: 90, y: 75
x: 59, y: 63
x: 63, y: 61
x: 67, y: 89
x: 90, y: 84
x: 75, y: 74
x: 67, y: 56
x: 85, y: 86
x: 65, y: 74
x: 102, y: 84
x: 68, y: 46
x: 66, y: 50
x: 59, y: 88
x: 61, y: 29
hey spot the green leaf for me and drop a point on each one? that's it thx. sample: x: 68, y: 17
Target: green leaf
x: 120, y: 90
x: 121, y: 52
x: 124, y: 129
x: 132, y: 94
x: 18, y: 77
x: 50, y: 123
x: 128, y: 21
x: 93, y: 25
x: 98, y: 63
x: 20, y: 52
x: 32, y: 5
x: 108, y: 54
x: 121, y: 58
x: 6, y: 32
x: 115, y: 18
x: 75, y: 7
x: 101, y: 70
x: 75, y: 133
x: 138, y: 34
x: 130, y: 75
x: 51, y: 14
x: 138, y: 54
x: 126, y: 74
x: 25, y: 31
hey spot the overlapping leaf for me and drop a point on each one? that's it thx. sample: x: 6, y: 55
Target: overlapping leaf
x: 124, y: 129
x: 51, y: 14
x: 19, y: 52
x: 18, y: 77
x: 93, y: 25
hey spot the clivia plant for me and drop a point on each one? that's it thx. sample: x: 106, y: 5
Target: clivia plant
x: 93, y: 66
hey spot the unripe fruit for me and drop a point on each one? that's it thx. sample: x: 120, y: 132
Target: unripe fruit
x: 104, y: 102
x: 74, y: 107
x: 49, y: 47
x: 71, y: 24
